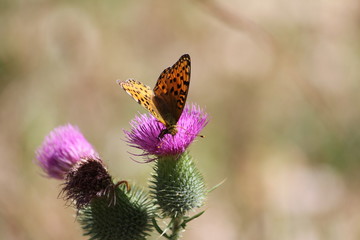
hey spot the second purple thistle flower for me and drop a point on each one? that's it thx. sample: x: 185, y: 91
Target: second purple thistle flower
x: 145, y: 130
x: 64, y: 147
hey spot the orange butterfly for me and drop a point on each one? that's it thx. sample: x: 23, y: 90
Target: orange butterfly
x: 166, y: 102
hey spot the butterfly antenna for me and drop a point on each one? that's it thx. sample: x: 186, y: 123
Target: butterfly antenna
x: 196, y: 135
x: 123, y: 182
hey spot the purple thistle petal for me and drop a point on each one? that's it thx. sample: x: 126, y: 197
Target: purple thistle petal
x: 145, y: 130
x: 61, y: 149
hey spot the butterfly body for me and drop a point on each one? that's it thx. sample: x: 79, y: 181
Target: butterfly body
x: 167, y: 100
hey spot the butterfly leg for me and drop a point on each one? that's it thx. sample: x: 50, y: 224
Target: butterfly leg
x: 123, y: 182
x: 112, y: 195
x: 163, y: 133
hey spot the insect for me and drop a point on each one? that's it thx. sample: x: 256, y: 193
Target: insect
x: 166, y: 102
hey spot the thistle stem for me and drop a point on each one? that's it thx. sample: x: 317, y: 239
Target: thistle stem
x: 176, y: 228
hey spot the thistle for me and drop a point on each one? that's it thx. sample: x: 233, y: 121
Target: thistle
x: 106, y: 210
x: 177, y: 186
x: 63, y: 148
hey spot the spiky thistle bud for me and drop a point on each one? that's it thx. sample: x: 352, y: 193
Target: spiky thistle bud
x: 177, y: 185
x: 128, y: 219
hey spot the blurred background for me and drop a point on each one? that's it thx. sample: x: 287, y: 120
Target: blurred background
x: 279, y: 79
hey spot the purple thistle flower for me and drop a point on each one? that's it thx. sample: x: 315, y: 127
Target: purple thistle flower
x: 146, y: 129
x: 62, y: 149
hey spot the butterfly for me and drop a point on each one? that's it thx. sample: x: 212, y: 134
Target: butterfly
x: 167, y: 100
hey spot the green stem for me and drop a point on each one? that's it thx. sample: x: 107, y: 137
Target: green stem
x: 176, y: 228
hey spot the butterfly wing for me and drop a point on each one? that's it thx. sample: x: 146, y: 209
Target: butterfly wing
x: 143, y: 95
x: 171, y: 90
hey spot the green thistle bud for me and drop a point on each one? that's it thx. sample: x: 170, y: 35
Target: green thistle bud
x: 129, y: 218
x: 177, y: 185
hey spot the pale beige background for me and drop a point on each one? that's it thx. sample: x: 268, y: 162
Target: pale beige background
x: 279, y: 79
